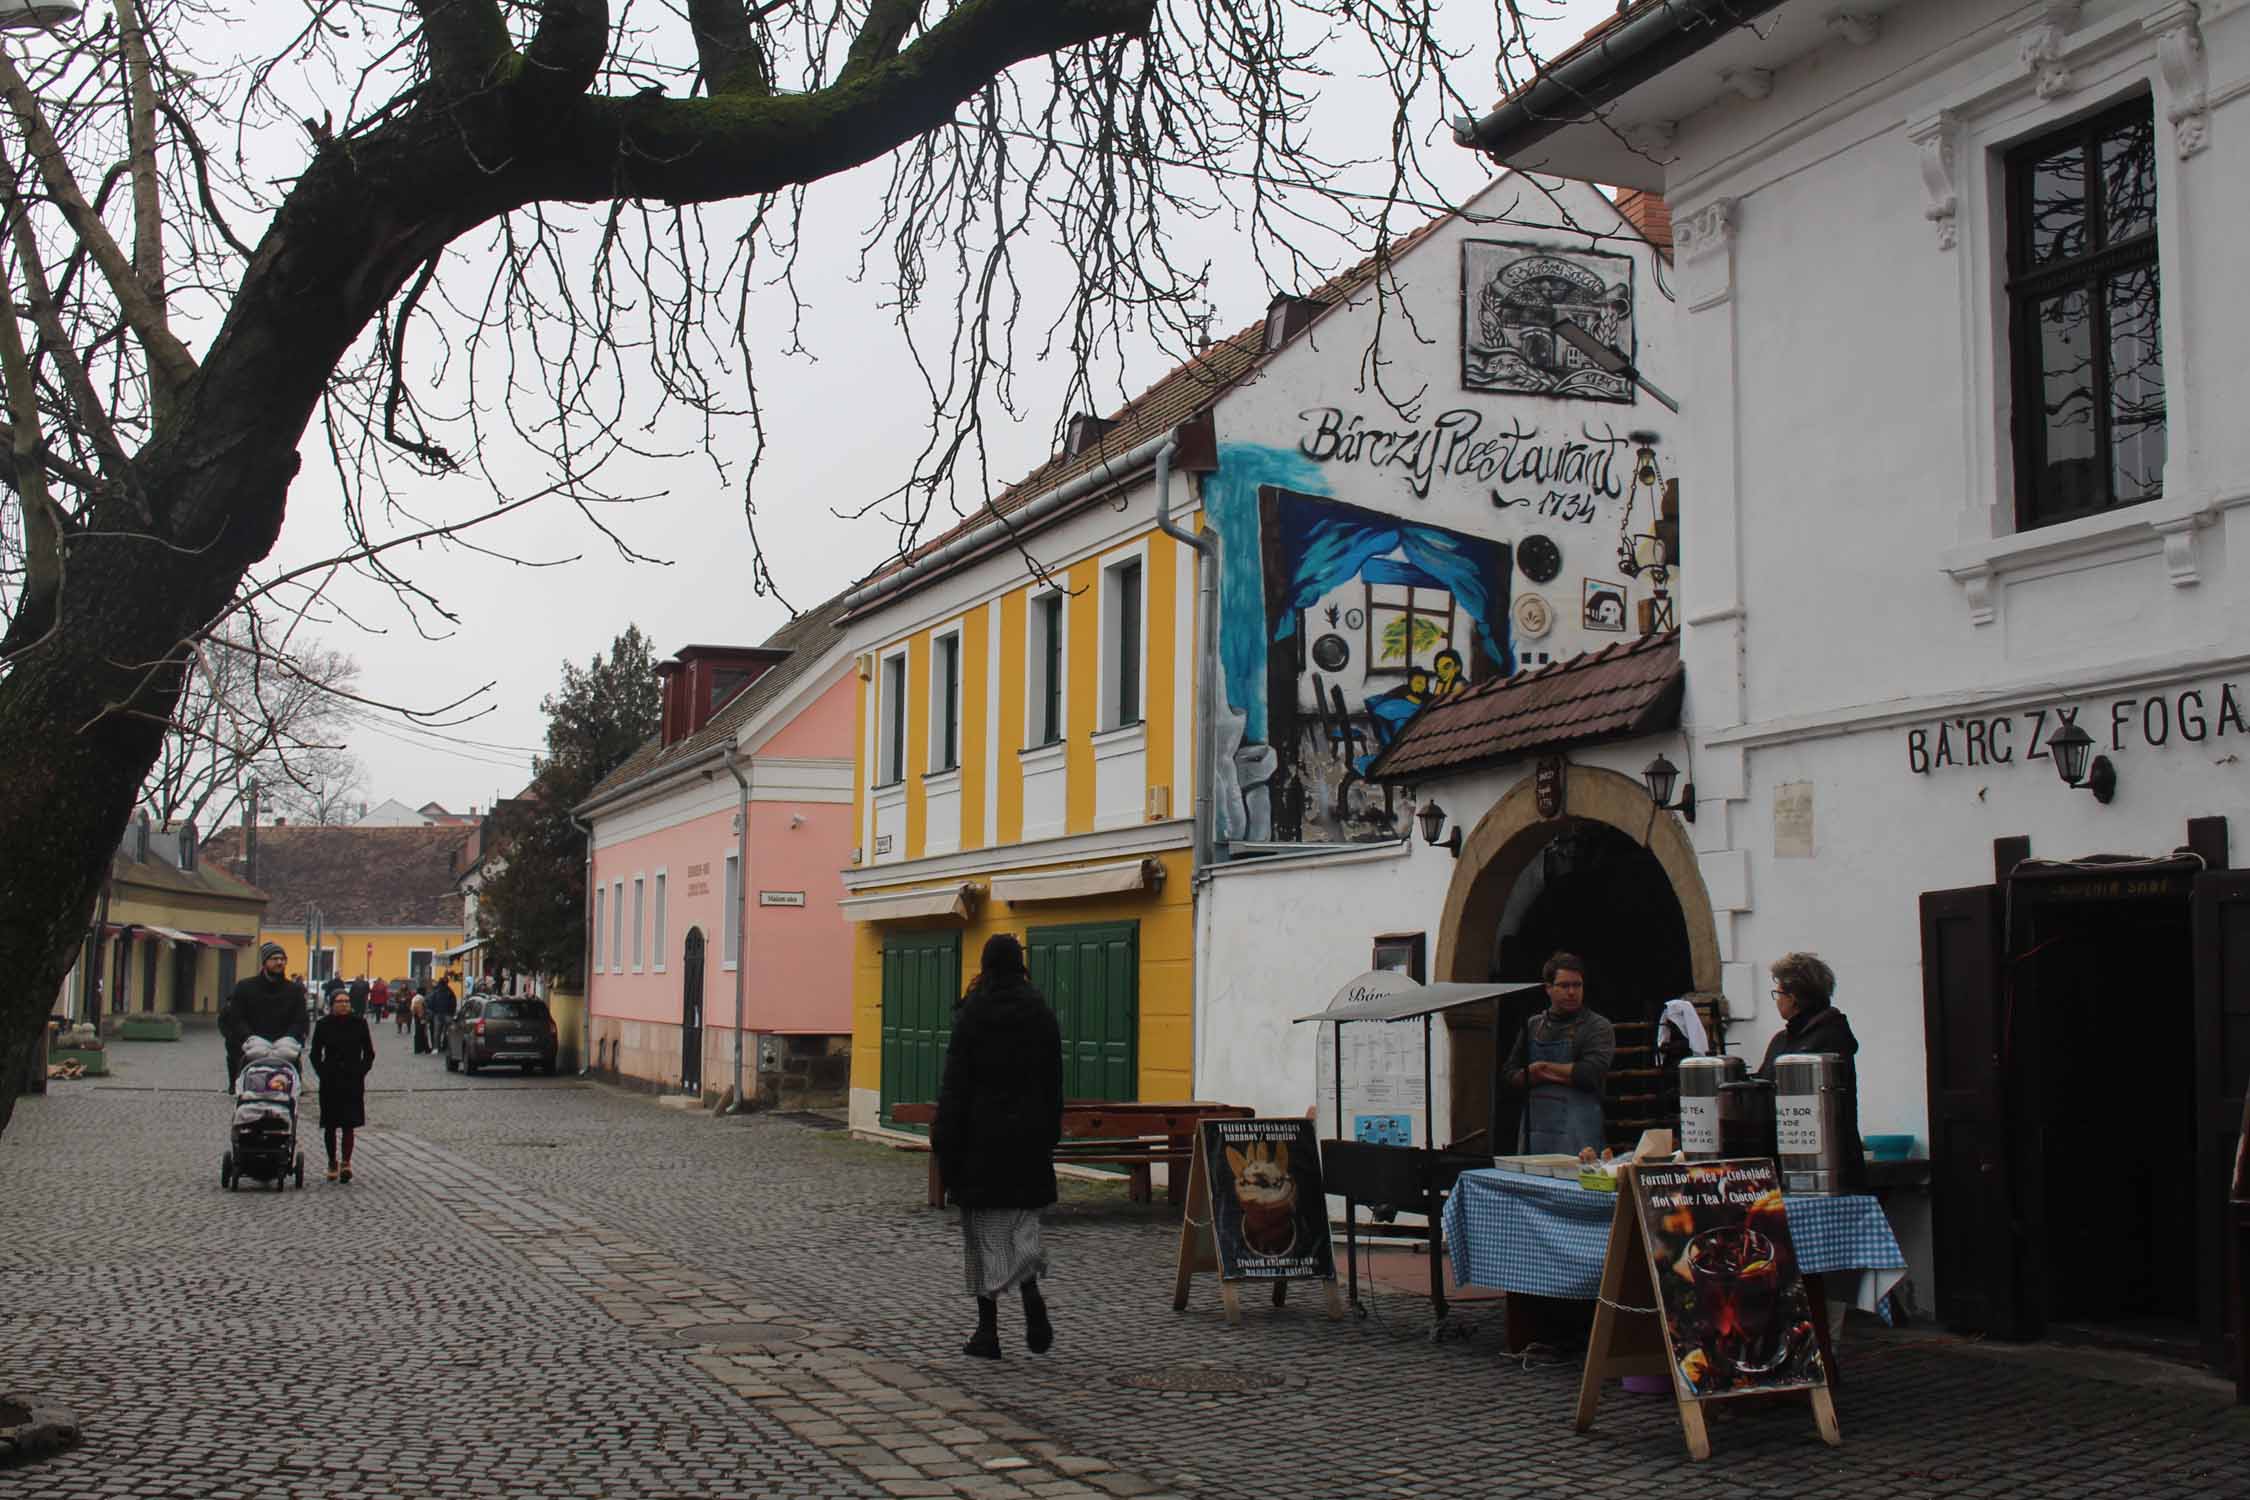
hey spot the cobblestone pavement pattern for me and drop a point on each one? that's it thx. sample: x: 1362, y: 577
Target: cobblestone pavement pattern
x: 540, y: 1287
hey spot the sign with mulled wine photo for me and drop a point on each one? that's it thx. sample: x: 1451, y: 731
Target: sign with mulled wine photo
x: 1736, y: 1318
x: 1269, y: 1213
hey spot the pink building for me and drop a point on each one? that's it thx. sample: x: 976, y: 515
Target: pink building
x: 716, y: 871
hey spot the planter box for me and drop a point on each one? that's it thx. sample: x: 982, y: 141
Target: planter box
x: 150, y: 1029
x: 96, y: 1063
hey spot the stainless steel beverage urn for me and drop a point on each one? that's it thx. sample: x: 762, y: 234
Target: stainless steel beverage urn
x: 1701, y: 1103
x: 1746, y: 1119
x: 1812, y: 1112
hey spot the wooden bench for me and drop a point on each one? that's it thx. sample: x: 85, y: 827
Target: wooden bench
x: 1136, y: 1135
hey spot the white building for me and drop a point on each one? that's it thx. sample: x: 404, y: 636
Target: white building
x: 1969, y: 467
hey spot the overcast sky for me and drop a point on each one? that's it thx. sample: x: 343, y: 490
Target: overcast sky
x: 844, y: 424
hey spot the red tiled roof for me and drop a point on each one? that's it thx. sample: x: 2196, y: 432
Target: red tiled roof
x: 1627, y: 689
x: 360, y: 877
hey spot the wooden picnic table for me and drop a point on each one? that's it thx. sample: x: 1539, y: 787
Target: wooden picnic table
x: 1135, y: 1134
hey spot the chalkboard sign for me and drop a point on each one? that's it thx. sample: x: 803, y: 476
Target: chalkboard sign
x: 1269, y: 1214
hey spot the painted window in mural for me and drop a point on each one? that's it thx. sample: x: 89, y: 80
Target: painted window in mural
x: 1368, y: 617
x: 1514, y: 296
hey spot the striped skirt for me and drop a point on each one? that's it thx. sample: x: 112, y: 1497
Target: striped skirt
x: 1001, y: 1249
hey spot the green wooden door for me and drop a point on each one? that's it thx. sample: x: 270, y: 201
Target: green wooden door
x: 1091, y: 974
x: 921, y: 980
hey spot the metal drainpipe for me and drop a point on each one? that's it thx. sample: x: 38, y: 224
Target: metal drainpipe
x: 586, y: 956
x: 742, y: 907
x: 1206, y: 545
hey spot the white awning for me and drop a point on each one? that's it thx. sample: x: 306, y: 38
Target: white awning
x: 173, y: 933
x: 940, y: 901
x: 1086, y: 880
x: 468, y: 947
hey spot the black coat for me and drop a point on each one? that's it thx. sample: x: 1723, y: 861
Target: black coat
x: 262, y: 1007
x: 343, y: 1049
x: 1000, y: 1106
x: 1826, y: 1030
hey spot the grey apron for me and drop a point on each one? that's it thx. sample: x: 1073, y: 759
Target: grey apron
x: 1558, y: 1119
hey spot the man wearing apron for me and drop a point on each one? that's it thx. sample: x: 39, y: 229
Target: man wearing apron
x: 1561, y: 1059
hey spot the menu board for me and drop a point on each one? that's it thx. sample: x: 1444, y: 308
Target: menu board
x: 1269, y: 1214
x: 1736, y: 1319
x: 1383, y: 1064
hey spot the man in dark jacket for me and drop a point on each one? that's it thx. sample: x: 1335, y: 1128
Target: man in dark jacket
x: 266, y: 1004
x: 999, y: 1117
x: 358, y: 991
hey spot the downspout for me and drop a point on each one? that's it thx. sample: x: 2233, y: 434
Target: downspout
x: 586, y: 955
x: 742, y: 907
x: 1206, y: 545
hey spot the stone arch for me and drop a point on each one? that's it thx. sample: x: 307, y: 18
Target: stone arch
x: 1506, y: 839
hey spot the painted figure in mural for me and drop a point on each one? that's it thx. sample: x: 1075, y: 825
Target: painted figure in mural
x: 1561, y: 1060
x: 1451, y: 682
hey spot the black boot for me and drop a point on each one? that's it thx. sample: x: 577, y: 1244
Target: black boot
x: 1038, y: 1333
x: 986, y: 1343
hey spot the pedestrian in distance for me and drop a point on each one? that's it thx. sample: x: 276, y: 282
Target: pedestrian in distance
x: 360, y: 993
x: 379, y: 999
x: 402, y: 1005
x: 999, y: 1116
x: 266, y: 1004
x: 421, y: 1024
x: 343, y: 1050
x: 440, y: 1008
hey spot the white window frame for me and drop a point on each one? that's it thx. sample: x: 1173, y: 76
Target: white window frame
x: 313, y: 975
x: 601, y: 915
x: 890, y: 749
x: 617, y: 927
x: 432, y: 970
x: 939, y: 747
x: 1111, y: 602
x: 730, y: 927
x: 640, y: 920
x: 1035, y: 669
x: 656, y: 919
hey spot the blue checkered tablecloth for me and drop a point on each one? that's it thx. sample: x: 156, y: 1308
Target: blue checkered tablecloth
x: 1547, y: 1237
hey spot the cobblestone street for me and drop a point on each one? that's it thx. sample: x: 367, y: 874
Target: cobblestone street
x: 542, y: 1287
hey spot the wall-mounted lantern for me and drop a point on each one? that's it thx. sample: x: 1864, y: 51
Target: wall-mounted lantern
x: 2070, y: 746
x: 1432, y: 819
x: 1661, y: 776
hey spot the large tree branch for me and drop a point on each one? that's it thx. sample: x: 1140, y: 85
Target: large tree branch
x: 565, y: 52
x: 701, y: 150
x: 170, y: 364
x: 879, y: 37
x: 466, y: 38
x: 726, y: 48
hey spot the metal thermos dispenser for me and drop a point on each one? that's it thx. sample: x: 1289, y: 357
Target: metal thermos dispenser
x: 1701, y: 1104
x: 1746, y: 1119
x: 1811, y: 1116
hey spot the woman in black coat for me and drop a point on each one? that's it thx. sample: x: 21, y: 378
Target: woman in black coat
x: 1804, y: 990
x: 343, y: 1050
x: 999, y: 1116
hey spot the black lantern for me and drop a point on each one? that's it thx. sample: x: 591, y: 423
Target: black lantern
x: 1661, y: 776
x: 1432, y: 819
x: 2069, y: 746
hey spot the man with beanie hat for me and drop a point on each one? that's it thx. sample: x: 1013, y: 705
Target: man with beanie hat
x: 267, y: 1004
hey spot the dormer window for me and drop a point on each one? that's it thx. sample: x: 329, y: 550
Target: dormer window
x: 1288, y: 316
x: 1084, y: 431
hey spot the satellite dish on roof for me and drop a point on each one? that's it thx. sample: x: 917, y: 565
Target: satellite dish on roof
x: 37, y: 15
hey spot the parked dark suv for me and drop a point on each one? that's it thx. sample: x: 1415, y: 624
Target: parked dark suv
x: 497, y: 1029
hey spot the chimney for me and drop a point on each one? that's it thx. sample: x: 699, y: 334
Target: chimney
x: 1083, y: 432
x: 1650, y: 214
x: 250, y: 834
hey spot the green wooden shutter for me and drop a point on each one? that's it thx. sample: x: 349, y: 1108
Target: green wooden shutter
x: 921, y: 980
x: 1090, y: 974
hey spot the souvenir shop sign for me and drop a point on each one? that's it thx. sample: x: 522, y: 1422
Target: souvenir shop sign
x: 1701, y: 1284
x: 2154, y: 721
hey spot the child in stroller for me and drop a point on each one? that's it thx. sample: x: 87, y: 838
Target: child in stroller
x: 262, y: 1142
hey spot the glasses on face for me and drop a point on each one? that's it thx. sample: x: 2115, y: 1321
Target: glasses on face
x: 1567, y: 984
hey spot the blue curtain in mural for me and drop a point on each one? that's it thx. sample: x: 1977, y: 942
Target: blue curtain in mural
x: 1337, y: 547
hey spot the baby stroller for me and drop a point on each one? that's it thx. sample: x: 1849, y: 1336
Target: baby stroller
x: 262, y: 1143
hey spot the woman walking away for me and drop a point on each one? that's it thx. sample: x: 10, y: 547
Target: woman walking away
x: 999, y: 1116
x: 343, y: 1049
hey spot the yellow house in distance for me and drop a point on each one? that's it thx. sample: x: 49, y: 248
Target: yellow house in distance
x: 354, y: 902
x: 175, y: 929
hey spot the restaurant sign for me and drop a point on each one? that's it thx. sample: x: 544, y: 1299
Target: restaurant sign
x: 2193, y: 716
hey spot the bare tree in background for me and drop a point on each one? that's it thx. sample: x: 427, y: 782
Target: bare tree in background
x: 325, y: 786
x: 489, y: 253
x: 248, y: 713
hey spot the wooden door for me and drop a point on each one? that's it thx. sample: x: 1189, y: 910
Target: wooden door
x: 1979, y: 1286
x: 184, y: 959
x: 2222, y: 1034
x: 1091, y: 975
x: 691, y: 1013
x: 921, y: 982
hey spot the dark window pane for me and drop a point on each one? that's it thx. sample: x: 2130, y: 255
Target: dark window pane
x: 2067, y: 468
x: 1129, y: 644
x: 1050, y: 718
x: 2129, y: 181
x: 2136, y: 387
x: 2056, y: 228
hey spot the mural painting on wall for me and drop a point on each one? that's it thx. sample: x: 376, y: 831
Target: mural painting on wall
x: 1368, y: 617
x: 1513, y: 296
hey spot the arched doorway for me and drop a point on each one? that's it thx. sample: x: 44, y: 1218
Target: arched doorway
x: 1609, y: 878
x: 691, y: 1014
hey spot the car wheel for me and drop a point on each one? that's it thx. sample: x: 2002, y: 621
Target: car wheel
x: 550, y: 1067
x: 226, y: 1171
x: 452, y: 1063
x: 468, y: 1064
